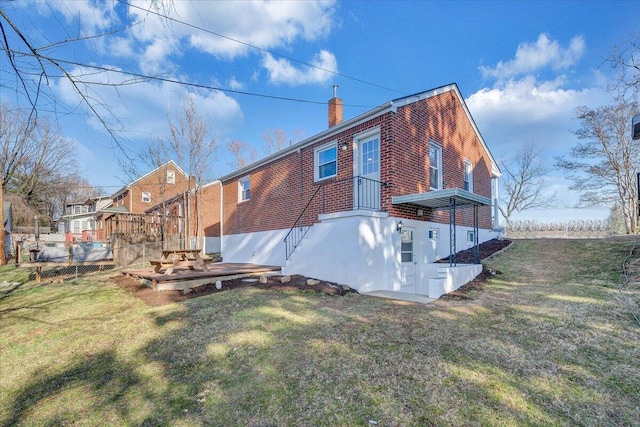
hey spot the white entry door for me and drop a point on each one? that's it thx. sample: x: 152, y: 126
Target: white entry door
x: 407, y: 261
x: 367, y: 186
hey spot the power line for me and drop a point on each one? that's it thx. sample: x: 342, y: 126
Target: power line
x: 174, y: 81
x: 336, y: 73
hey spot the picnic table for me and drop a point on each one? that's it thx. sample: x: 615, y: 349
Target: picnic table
x: 172, y: 258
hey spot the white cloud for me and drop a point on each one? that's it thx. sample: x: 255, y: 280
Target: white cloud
x: 282, y: 72
x: 531, y: 57
x: 140, y: 110
x: 259, y: 23
x: 91, y: 17
x: 234, y: 84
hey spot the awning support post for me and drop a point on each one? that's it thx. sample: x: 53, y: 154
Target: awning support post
x: 476, y: 247
x: 452, y: 232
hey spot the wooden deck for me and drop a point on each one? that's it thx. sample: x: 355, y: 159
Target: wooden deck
x: 183, y: 278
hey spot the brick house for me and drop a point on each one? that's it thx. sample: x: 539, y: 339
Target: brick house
x: 127, y: 214
x: 162, y: 183
x: 371, y: 202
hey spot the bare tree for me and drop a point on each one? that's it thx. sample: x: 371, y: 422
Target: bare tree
x: 523, y: 183
x: 243, y: 154
x: 277, y: 139
x: 194, y: 149
x: 37, y: 163
x: 604, y: 166
x: 625, y: 62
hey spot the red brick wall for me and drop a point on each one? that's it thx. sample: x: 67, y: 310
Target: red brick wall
x: 156, y: 184
x: 282, y: 188
x: 441, y: 119
x: 211, y: 209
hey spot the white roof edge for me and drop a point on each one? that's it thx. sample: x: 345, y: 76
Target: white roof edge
x: 388, y: 106
x: 495, y: 169
x: 312, y: 140
x: 217, y: 181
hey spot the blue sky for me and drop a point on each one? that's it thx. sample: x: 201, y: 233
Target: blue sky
x: 523, y: 68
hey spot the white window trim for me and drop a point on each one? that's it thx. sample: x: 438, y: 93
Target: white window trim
x: 433, y: 232
x: 148, y: 196
x: 439, y: 147
x: 241, y: 189
x: 361, y: 137
x: 172, y: 173
x: 316, y: 163
x: 466, y: 163
x: 470, y: 238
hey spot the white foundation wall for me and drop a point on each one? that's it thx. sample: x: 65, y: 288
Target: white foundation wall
x: 361, y: 249
x: 355, y: 249
x: 264, y: 247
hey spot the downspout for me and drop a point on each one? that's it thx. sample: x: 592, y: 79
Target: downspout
x: 221, y: 221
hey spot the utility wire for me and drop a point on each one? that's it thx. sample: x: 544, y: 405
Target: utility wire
x: 336, y: 73
x: 175, y: 81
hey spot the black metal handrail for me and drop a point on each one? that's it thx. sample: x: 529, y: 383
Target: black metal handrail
x: 368, y: 197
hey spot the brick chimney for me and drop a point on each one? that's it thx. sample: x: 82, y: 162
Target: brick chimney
x: 335, y: 108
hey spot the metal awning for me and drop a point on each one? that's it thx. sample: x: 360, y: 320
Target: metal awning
x: 452, y: 199
x: 442, y: 199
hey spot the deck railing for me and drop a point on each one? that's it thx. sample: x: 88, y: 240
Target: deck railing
x: 365, y: 195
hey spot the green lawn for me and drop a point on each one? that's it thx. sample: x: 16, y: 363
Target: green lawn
x: 547, y: 342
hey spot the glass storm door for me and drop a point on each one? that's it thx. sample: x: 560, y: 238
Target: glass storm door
x: 407, y: 261
x: 367, y: 186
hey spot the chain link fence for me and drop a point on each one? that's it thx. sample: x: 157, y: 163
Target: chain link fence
x: 71, y: 261
x: 579, y: 229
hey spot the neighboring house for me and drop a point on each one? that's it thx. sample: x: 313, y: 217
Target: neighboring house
x: 7, y: 213
x: 127, y: 214
x: 162, y: 183
x: 372, y: 202
x: 80, y: 221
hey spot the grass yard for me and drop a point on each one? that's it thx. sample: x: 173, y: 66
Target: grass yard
x: 547, y: 342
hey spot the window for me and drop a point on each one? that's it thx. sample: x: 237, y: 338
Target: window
x: 468, y: 176
x: 370, y: 152
x: 171, y: 176
x: 244, y: 189
x: 146, y: 197
x: 435, y: 166
x: 470, y: 236
x: 76, y: 227
x: 433, y: 234
x: 326, y: 161
x: 406, y: 246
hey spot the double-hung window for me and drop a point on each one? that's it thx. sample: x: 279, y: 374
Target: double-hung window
x: 244, y: 189
x: 146, y: 197
x: 171, y: 176
x: 326, y: 161
x: 435, y: 166
x: 468, y: 176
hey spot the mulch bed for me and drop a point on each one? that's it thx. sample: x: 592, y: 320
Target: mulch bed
x: 486, y: 249
x: 299, y: 283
